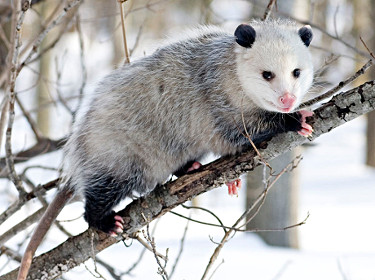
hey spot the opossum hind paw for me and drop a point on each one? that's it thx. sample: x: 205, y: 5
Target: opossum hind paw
x: 112, y: 224
x: 233, y: 187
x: 119, y: 226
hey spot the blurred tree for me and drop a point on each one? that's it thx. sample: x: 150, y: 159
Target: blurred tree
x: 43, y: 90
x: 281, y: 206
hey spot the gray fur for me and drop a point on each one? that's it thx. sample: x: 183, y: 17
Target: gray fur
x: 150, y: 118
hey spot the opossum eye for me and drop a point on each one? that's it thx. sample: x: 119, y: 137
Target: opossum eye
x: 296, y: 72
x: 267, y: 75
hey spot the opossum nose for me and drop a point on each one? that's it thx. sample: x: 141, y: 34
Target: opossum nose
x: 287, y: 100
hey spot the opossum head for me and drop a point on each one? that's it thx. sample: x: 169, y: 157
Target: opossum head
x: 274, y: 65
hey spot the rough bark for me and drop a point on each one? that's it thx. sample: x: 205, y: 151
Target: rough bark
x: 77, y: 249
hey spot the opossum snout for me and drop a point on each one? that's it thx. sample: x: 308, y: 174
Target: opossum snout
x: 287, y: 100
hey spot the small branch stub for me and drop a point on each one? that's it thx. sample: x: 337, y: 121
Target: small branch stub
x: 127, y: 59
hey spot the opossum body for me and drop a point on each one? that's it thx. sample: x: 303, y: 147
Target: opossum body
x: 151, y: 118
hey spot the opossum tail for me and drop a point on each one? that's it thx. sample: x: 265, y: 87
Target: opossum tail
x: 53, y: 210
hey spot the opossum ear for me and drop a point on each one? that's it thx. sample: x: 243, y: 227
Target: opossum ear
x: 245, y: 35
x: 306, y: 34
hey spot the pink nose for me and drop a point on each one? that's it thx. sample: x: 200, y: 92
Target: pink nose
x: 287, y: 100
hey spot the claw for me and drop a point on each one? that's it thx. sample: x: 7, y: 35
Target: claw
x: 119, y: 219
x: 113, y: 234
x: 196, y: 165
x: 306, y: 129
x: 119, y: 226
x: 233, y: 187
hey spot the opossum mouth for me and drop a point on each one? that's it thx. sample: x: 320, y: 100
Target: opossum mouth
x: 285, y: 110
x: 278, y: 108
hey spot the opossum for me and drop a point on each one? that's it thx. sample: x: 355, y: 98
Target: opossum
x: 161, y: 114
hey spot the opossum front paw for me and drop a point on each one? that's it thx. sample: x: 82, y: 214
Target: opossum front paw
x: 306, y: 130
x: 233, y: 187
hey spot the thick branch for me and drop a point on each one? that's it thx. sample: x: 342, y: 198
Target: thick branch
x: 342, y: 108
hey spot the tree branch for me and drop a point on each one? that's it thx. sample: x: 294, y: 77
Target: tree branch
x: 340, y: 109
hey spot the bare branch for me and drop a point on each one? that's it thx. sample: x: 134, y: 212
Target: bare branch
x: 42, y: 147
x: 29, y: 119
x: 21, y: 226
x: 38, y: 191
x: 83, y: 66
x: 256, y: 205
x: 127, y: 60
x: 19, y: 11
x: 268, y: 10
x: 46, y: 30
x: 182, y: 242
x: 340, y: 86
x: 340, y: 109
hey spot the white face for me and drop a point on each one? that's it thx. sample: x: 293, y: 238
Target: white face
x: 275, y: 73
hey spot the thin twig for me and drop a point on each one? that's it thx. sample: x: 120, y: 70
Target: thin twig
x: 206, y: 210
x: 21, y: 226
x: 341, y: 85
x: 367, y: 48
x: 317, y: 27
x: 109, y: 268
x: 151, y: 241
x: 341, y: 269
x: 137, y: 39
x: 4, y: 38
x: 20, y: 8
x: 278, y: 229
x: 58, y: 92
x: 66, y: 26
x: 182, y: 242
x: 213, y: 272
x: 247, y: 135
x: 259, y: 201
x: 145, y: 244
x: 127, y: 59
x: 83, y: 66
x: 282, y: 270
x: 31, y: 122
x: 138, y: 261
x: 268, y: 10
x: 335, y: 21
x: 238, y: 229
x: 10, y: 253
x: 39, y: 191
x: 99, y: 275
x: 3, y: 117
x: 46, y: 30
x: 261, y: 198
